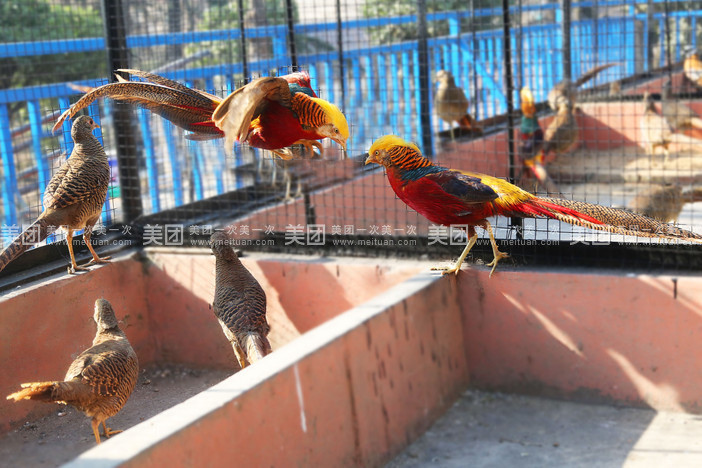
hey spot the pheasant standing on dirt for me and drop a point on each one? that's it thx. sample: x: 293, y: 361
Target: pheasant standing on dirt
x: 239, y: 304
x: 73, y: 199
x: 655, y: 130
x: 664, y: 203
x: 567, y: 90
x: 451, y: 103
x: 100, y: 379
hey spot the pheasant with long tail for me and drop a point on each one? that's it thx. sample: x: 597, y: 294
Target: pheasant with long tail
x: 452, y: 197
x: 271, y: 113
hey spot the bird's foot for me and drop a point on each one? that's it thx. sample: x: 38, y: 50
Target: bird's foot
x: 97, y: 260
x: 310, y: 145
x: 110, y: 432
x: 73, y: 268
x: 448, y: 270
x: 285, y: 154
x: 498, y: 256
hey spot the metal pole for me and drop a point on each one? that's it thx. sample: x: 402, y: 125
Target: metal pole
x: 507, y: 63
x: 291, y: 34
x: 565, y: 31
x: 651, y: 34
x: 424, y: 79
x: 242, y: 31
x: 668, y: 58
x: 340, y: 48
x: 474, y: 44
x: 127, y: 158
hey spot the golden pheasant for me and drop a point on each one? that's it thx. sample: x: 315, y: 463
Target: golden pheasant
x: 73, y: 198
x: 451, y: 103
x: 692, y: 67
x: 664, y: 203
x: 239, y: 304
x: 268, y: 113
x: 531, y: 145
x: 452, y: 197
x: 100, y: 379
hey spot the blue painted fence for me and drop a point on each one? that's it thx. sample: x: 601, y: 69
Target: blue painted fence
x: 382, y: 87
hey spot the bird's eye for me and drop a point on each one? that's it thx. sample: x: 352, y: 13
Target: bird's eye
x: 336, y: 130
x: 376, y: 153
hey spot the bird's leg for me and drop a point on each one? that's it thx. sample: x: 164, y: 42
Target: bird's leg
x: 96, y: 259
x: 310, y: 145
x: 666, y: 154
x: 457, y: 266
x: 96, y: 430
x: 497, y: 255
x: 108, y: 431
x: 453, y: 138
x: 74, y: 266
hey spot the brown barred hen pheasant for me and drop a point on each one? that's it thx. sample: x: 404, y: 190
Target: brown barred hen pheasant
x: 73, y: 198
x: 100, y: 379
x: 239, y: 304
x: 655, y: 130
x: 451, y: 103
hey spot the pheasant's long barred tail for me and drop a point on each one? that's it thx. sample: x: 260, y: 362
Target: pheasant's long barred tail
x: 34, y: 234
x: 618, y: 221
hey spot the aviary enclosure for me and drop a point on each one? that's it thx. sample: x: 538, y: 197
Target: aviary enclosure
x: 378, y: 62
x: 625, y: 133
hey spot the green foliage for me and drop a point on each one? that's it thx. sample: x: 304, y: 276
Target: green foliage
x: 35, y: 20
x: 226, y: 16
x: 403, y: 32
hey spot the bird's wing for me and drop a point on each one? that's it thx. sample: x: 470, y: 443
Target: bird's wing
x: 467, y: 187
x: 72, y: 184
x: 103, y: 367
x: 163, y: 81
x: 234, y: 114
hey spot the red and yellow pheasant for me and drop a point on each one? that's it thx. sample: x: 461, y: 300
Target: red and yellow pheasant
x: 269, y: 113
x: 452, y: 197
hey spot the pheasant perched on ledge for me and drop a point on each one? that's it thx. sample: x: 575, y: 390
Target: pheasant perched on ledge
x: 100, y: 379
x: 451, y: 103
x: 452, y: 197
x: 239, y: 304
x: 268, y: 113
x: 73, y: 198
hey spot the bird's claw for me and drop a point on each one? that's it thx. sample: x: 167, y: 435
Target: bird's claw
x: 447, y: 270
x: 95, y: 261
x: 73, y: 268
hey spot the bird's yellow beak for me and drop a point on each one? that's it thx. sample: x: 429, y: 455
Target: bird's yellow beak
x: 370, y: 158
x: 95, y: 126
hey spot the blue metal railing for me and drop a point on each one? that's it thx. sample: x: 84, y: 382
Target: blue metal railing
x: 382, y: 87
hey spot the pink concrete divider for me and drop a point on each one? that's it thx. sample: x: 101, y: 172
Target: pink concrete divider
x: 352, y: 391
x: 160, y: 300
x: 598, y: 337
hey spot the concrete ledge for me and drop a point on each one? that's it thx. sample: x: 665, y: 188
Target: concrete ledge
x: 352, y: 391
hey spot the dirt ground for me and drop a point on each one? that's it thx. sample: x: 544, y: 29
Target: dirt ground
x: 485, y: 429
x: 66, y: 433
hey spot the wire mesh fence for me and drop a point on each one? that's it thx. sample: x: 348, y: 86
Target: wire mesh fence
x: 381, y: 63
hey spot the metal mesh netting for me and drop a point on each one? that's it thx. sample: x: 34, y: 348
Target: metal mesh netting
x: 379, y: 62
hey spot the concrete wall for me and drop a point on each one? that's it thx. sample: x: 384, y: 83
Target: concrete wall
x: 160, y: 300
